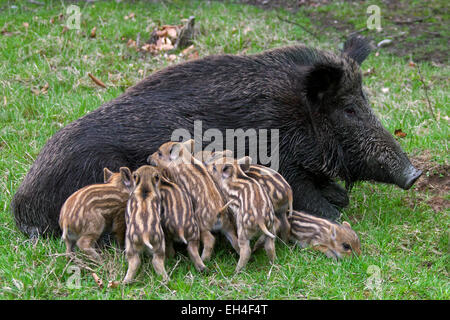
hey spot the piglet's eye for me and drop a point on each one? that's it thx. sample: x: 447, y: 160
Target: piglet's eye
x: 346, y: 246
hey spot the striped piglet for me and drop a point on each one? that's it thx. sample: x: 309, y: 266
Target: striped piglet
x: 334, y: 240
x: 250, y: 204
x: 88, y: 212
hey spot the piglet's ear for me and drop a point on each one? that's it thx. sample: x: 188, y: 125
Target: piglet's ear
x: 346, y: 224
x: 175, y: 151
x: 245, y: 163
x: 125, y: 174
x: 107, y: 174
x: 358, y: 48
x: 156, y: 180
x: 322, y: 79
x: 333, y: 232
x: 227, y: 171
x: 189, y: 145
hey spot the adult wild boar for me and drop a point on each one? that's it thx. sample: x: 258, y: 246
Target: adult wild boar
x: 327, y: 130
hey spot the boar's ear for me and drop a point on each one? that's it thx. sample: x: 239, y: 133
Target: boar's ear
x: 322, y: 79
x: 106, y: 174
x: 358, y: 48
x: 125, y: 173
x: 245, y: 163
x: 227, y: 171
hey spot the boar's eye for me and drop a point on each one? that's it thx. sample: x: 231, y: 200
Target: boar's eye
x: 346, y: 246
x: 350, y: 111
x: 159, y: 154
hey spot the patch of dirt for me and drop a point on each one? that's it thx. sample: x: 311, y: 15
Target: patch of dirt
x: 435, y: 179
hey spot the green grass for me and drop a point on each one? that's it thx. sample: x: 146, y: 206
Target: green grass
x: 401, y: 234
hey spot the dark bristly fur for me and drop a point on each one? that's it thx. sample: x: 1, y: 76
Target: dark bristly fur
x: 314, y: 98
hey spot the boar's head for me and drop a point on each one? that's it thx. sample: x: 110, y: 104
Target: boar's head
x: 348, y: 131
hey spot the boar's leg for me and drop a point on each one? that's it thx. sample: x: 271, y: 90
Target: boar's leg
x: 308, y: 198
x: 335, y: 194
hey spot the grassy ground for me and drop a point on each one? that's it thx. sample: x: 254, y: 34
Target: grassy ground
x: 404, y: 234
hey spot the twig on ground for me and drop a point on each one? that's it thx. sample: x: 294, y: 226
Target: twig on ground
x: 410, y: 21
x: 97, y: 81
x: 426, y: 93
x: 299, y: 25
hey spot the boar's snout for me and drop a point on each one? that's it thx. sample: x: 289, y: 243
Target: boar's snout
x: 408, y: 177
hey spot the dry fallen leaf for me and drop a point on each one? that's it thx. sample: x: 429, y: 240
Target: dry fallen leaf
x: 93, y: 32
x: 412, y: 64
x: 193, y: 56
x: 26, y: 25
x: 6, y: 33
x: 45, y: 88
x: 131, y: 43
x: 130, y: 16
x: 188, y: 50
x: 172, y: 32
x: 64, y: 30
x: 369, y: 72
x: 113, y: 284
x: 35, y: 91
x: 171, y: 57
x: 385, y: 90
x: 97, y: 280
x: 164, y: 44
x: 399, y: 133
x: 97, y: 81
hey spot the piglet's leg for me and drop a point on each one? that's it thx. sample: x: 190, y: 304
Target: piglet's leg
x: 244, y: 254
x: 86, y: 242
x: 284, y: 225
x: 269, y: 246
x: 230, y: 233
x: 170, y: 251
x: 194, y: 255
x: 158, y: 264
x: 134, y: 261
x: 259, y: 243
x: 208, y: 244
x: 119, y: 229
